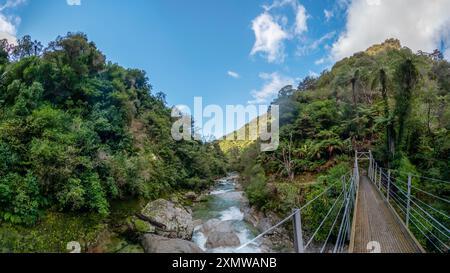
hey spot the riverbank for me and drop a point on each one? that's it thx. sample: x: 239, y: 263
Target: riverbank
x: 218, y: 220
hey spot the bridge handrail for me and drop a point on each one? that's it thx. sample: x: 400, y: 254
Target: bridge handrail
x: 424, y: 211
x: 383, y: 182
x: 389, y: 187
x: 344, y: 229
x: 403, y: 208
x: 419, y: 176
x: 297, y: 212
x: 324, y: 220
x: 268, y: 231
x: 423, y: 191
x: 332, y: 228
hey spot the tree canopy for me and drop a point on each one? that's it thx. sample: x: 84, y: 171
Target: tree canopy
x: 77, y: 132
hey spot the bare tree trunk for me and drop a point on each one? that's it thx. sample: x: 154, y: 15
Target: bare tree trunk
x: 287, y: 160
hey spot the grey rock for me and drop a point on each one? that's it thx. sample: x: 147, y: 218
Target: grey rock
x: 171, y: 220
x: 218, y: 239
x: 157, y: 244
x: 220, y: 234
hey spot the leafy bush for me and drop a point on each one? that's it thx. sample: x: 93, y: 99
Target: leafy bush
x: 20, y: 198
x: 77, y: 133
x: 257, y: 187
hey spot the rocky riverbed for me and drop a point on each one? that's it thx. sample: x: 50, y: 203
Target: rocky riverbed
x: 219, y: 221
x: 228, y: 222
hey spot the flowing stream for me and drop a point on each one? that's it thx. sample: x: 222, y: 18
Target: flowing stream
x: 226, y: 204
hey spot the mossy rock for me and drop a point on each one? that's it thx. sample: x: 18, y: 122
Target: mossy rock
x: 141, y: 226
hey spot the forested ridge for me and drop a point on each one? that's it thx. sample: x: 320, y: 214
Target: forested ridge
x: 78, y: 132
x: 387, y: 99
x: 79, y: 135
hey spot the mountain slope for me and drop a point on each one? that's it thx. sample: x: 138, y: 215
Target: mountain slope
x: 386, y: 99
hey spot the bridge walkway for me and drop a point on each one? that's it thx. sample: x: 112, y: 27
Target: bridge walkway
x: 375, y: 221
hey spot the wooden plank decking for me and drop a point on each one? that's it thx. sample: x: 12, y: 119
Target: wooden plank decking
x: 375, y: 221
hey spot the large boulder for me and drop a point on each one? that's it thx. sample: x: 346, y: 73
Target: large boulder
x: 157, y: 244
x: 215, y: 225
x: 218, y: 239
x: 220, y: 234
x: 254, y: 217
x: 170, y: 220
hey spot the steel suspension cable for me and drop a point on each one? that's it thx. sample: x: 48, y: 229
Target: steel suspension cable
x: 318, y: 196
x: 397, y: 198
x: 425, y: 192
x: 430, y: 216
x: 431, y: 241
x: 434, y: 209
x: 332, y: 227
x: 324, y: 220
x: 418, y: 213
x: 419, y: 176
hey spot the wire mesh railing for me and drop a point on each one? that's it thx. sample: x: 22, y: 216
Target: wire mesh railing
x: 332, y: 232
x: 424, y: 213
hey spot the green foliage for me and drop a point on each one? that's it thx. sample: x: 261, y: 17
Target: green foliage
x: 406, y: 79
x: 20, y: 198
x: 257, y: 187
x: 386, y: 99
x: 52, y: 233
x: 77, y: 133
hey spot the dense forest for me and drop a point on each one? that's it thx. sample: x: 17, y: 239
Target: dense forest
x: 78, y: 132
x: 387, y: 99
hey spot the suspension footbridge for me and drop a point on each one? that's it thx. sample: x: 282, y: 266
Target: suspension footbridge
x: 375, y: 210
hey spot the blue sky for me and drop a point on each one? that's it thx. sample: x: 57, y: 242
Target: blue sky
x: 186, y: 47
x: 230, y: 51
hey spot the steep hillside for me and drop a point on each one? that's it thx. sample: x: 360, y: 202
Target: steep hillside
x: 386, y: 99
x: 77, y: 133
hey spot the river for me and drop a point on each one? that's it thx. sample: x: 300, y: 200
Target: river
x: 225, y: 203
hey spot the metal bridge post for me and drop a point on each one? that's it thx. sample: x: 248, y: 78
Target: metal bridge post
x: 388, y: 190
x: 344, y: 186
x: 372, y: 165
x: 349, y: 230
x: 380, y: 179
x: 298, y: 233
x: 374, y: 171
x: 408, y: 207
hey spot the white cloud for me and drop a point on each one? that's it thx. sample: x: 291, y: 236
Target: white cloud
x: 233, y: 74
x: 308, y: 48
x: 280, y: 4
x: 8, y: 24
x: 74, y: 2
x: 269, y: 38
x: 420, y: 25
x: 300, y: 20
x: 272, y: 85
x: 320, y: 61
x: 328, y: 14
x: 373, y: 2
x: 11, y: 4
x: 272, y: 29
